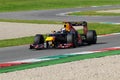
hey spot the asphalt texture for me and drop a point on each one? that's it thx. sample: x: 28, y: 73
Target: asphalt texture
x: 58, y: 14
x: 22, y: 52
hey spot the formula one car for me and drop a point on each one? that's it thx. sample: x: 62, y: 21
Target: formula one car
x: 66, y: 38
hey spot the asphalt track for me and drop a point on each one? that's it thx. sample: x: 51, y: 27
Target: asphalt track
x: 22, y: 52
x: 59, y: 15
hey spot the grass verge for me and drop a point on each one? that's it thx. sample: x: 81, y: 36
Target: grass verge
x: 16, y: 42
x: 20, y: 5
x: 58, y: 61
x: 100, y: 28
x: 94, y: 13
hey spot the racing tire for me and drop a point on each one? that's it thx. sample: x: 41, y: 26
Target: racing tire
x: 91, y: 37
x: 71, y: 39
x: 31, y: 47
x: 39, y: 39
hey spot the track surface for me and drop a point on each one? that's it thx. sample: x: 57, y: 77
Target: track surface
x: 58, y: 15
x: 22, y: 52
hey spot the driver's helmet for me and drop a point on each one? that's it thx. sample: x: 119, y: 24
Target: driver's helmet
x: 63, y: 30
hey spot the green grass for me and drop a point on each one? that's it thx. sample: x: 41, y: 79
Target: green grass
x: 58, y: 61
x: 100, y: 29
x: 31, y: 21
x: 94, y: 13
x: 16, y: 42
x: 18, y: 5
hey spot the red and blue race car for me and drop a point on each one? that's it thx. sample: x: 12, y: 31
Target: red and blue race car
x: 66, y: 38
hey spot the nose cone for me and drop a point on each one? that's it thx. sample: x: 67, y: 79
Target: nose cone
x: 50, y: 39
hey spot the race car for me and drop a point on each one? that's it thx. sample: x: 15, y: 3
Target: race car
x: 68, y: 37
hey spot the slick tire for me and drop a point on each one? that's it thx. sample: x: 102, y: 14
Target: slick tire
x: 39, y: 39
x: 71, y: 39
x: 91, y: 37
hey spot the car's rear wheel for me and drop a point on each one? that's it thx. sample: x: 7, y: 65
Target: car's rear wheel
x: 91, y: 37
x: 39, y: 39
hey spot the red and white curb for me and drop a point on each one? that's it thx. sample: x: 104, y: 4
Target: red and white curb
x: 12, y: 63
x: 95, y: 51
x: 109, y: 35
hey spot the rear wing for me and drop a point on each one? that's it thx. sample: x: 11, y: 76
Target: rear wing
x: 81, y: 23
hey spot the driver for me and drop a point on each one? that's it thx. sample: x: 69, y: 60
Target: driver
x: 66, y: 28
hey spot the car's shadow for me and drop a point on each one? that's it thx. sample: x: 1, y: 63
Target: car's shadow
x: 98, y: 43
x: 85, y: 45
x: 81, y: 46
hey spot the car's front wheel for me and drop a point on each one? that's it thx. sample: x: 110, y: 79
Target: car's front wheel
x: 39, y: 39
